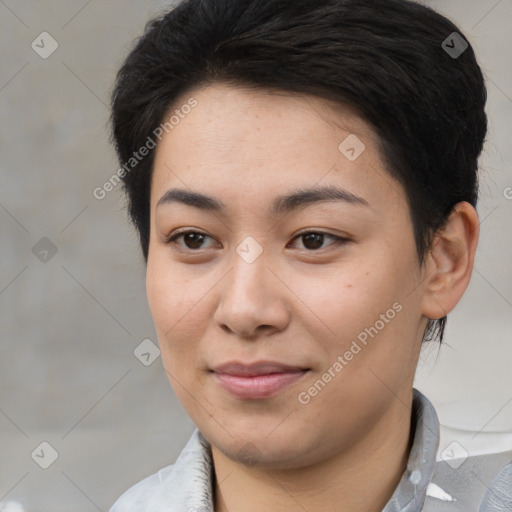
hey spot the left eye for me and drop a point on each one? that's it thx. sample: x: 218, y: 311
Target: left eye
x: 313, y: 240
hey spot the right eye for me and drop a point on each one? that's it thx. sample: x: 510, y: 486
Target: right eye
x: 192, y: 239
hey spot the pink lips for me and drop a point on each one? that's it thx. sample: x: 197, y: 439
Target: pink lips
x: 257, y: 380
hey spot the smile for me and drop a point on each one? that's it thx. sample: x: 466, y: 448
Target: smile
x: 258, y: 380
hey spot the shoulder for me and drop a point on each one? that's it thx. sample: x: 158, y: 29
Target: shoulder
x: 498, y: 497
x: 184, y: 485
x: 139, y: 497
x: 480, y: 483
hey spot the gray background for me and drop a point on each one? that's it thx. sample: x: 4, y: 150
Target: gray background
x: 69, y: 325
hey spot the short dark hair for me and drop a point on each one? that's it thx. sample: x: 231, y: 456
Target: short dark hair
x: 396, y: 62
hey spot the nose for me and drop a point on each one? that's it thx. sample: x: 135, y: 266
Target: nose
x: 253, y: 300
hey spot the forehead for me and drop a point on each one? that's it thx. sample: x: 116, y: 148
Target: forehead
x: 248, y: 144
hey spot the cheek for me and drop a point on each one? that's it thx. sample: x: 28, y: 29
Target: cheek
x: 171, y: 293
x: 176, y: 308
x: 352, y: 296
x: 365, y: 308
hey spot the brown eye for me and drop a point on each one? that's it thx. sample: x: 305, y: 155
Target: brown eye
x: 193, y: 240
x: 314, y: 240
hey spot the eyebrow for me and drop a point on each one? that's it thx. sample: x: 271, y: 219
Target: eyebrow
x: 280, y: 204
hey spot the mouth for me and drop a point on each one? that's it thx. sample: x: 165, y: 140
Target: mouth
x: 257, y: 380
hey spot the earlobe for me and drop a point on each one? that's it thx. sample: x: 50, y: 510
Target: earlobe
x: 450, y: 261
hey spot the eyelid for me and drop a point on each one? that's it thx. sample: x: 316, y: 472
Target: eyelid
x: 319, y: 231
x: 184, y: 231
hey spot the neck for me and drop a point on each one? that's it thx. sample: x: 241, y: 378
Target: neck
x: 361, y: 478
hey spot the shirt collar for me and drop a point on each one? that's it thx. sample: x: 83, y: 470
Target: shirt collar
x: 193, y: 471
x: 411, y: 492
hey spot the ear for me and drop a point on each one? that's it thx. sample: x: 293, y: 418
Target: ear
x: 449, y: 263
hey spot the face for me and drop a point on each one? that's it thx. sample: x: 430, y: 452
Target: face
x: 288, y: 327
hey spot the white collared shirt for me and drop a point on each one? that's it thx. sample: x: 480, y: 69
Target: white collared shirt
x: 474, y: 485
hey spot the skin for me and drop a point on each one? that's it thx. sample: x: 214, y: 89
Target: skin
x: 296, y: 303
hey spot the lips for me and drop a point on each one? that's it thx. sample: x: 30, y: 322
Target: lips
x: 257, y: 380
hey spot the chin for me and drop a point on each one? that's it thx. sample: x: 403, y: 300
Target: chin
x: 264, y: 454
x: 259, y: 444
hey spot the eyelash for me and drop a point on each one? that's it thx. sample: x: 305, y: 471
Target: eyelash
x: 338, y: 239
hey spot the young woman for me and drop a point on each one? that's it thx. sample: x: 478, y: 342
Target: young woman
x: 303, y: 177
